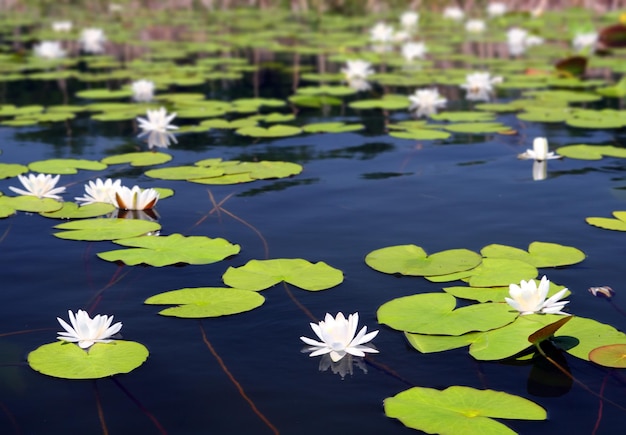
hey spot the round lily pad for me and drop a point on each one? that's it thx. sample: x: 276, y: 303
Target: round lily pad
x: 30, y: 204
x: 201, y: 302
x: 617, y: 224
x: 273, y: 131
x: 68, y: 361
x: 65, y: 166
x: 71, y: 210
x: 105, y: 229
x: 613, y: 355
x: 8, y: 170
x: 138, y: 159
x: 540, y: 254
x: 458, y: 409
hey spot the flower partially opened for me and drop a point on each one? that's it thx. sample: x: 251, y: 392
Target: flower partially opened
x: 356, y: 72
x: 479, y: 86
x: 157, y: 127
x: 49, y: 50
x: 539, y: 152
x: 528, y: 298
x: 41, y: 186
x: 100, y: 191
x: 92, y: 40
x: 337, y: 335
x: 135, y: 198
x: 143, y: 90
x: 86, y: 331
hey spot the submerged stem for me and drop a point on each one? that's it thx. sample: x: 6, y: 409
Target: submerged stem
x: 236, y: 383
x: 143, y: 409
x: 103, y: 423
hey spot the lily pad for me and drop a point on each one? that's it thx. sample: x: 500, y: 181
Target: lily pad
x: 30, y: 204
x: 420, y: 134
x: 458, y: 409
x: 8, y: 170
x: 105, y: 229
x: 587, y: 335
x: 68, y: 361
x: 438, y: 343
x: 413, y: 260
x: 434, y: 313
x: 591, y: 152
x: 477, y: 127
x: 202, y: 302
x: 617, y: 224
x: 273, y: 131
x: 172, y: 249
x: 104, y: 94
x: 65, y: 166
x: 613, y: 355
x: 184, y: 172
x: 540, y: 254
x: 262, y: 274
x: 332, y: 127
x: 138, y: 159
x: 494, y: 272
x: 71, y: 210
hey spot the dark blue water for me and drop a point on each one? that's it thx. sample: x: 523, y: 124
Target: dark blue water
x: 358, y: 192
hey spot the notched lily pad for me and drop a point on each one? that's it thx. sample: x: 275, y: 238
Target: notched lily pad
x: 413, y: 260
x: 167, y: 250
x: 30, y: 204
x: 273, y: 131
x: 612, y: 355
x: 540, y: 254
x: 617, y: 224
x: 458, y: 409
x: 202, y: 302
x: 68, y: 361
x: 8, y: 170
x: 71, y: 210
x: 262, y: 274
x: 138, y: 159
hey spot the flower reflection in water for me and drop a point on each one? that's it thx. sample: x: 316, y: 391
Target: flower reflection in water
x: 344, y: 366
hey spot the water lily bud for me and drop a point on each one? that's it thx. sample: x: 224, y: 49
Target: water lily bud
x: 540, y: 147
x: 604, y: 291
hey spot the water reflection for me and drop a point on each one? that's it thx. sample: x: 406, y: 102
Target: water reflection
x: 343, y: 367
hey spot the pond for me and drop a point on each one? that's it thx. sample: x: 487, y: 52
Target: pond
x: 349, y: 194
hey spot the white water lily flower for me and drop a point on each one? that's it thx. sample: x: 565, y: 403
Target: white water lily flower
x: 100, y: 191
x: 62, y: 26
x: 157, y: 126
x: 479, y: 86
x: 453, y: 13
x: 381, y: 33
x: 49, y: 50
x: 475, y: 26
x: 338, y: 338
x: 516, y: 41
x: 528, y: 298
x: 356, y: 73
x: 87, y: 331
x: 409, y: 20
x: 135, y: 198
x: 426, y: 102
x: 143, y: 90
x: 41, y: 186
x: 540, y: 151
x: 496, y: 9
x: 92, y: 40
x: 583, y: 41
x: 413, y: 50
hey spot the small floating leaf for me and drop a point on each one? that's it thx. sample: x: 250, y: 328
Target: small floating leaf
x: 332, y: 127
x: 175, y: 248
x: 105, y: 229
x: 201, y: 302
x: 420, y: 134
x: 262, y: 274
x: 68, y: 361
x: 612, y: 355
x: 618, y: 224
x: 458, y: 409
x: 591, y: 152
x: 8, y: 170
x: 71, y: 210
x: 273, y: 131
x: 30, y: 204
x: 138, y: 159
x: 540, y: 254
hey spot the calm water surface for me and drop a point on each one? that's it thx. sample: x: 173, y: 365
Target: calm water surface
x: 358, y: 192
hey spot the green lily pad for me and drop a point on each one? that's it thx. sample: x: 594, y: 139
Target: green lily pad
x: 104, y: 94
x: 65, y: 166
x: 332, y: 127
x: 511, y: 339
x: 477, y: 127
x: 262, y: 274
x: 264, y: 169
x: 618, y: 224
x: 6, y: 211
x: 497, y: 272
x: 434, y: 313
x: 540, y: 254
x: 68, y: 361
x: 491, y: 294
x: 612, y: 355
x: 588, y: 334
x: 548, y: 331
x: 185, y: 172
x: 138, y: 159
x: 172, y: 249
x: 30, y: 204
x: 71, y: 210
x: 591, y: 152
x: 425, y: 343
x: 202, y: 302
x: 8, y: 170
x: 105, y: 229
x: 420, y: 134
x: 335, y: 91
x: 413, y: 260
x: 461, y: 116
x: 273, y: 131
x: 460, y: 410
x: 234, y: 124
x: 388, y: 102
